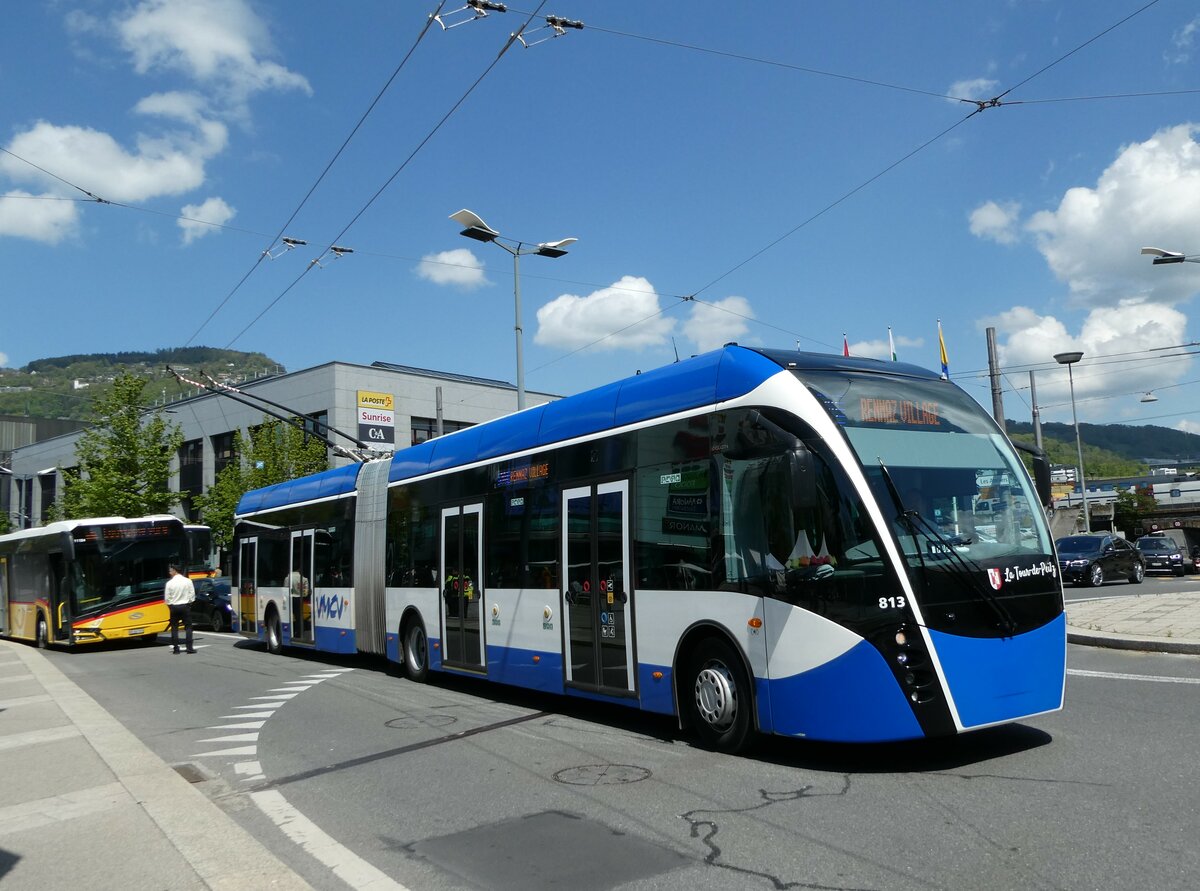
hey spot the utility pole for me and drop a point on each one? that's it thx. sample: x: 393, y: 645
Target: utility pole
x: 994, y: 374
x: 1037, y: 414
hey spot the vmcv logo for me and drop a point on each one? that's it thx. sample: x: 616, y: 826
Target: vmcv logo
x: 331, y: 606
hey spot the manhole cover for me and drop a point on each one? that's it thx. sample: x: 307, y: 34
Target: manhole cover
x: 602, y: 775
x: 415, y: 722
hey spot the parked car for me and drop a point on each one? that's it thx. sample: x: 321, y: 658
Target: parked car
x: 212, y: 605
x: 1162, y: 554
x: 1090, y: 559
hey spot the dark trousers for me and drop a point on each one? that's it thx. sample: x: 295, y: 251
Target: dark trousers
x: 181, y: 614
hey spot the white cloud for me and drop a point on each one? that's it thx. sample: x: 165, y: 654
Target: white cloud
x: 46, y: 217
x: 220, y: 43
x: 3, y: 360
x: 1124, y: 333
x: 202, y: 219
x: 459, y: 267
x: 1188, y: 426
x: 905, y: 350
x: 1150, y: 195
x: 716, y: 323
x: 997, y: 222
x: 164, y: 165
x: 628, y: 310
x: 975, y: 88
x: 1182, y: 42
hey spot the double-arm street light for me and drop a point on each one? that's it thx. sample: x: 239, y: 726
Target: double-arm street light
x: 1070, y: 359
x: 477, y: 229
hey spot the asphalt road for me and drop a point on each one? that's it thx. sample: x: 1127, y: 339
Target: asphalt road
x: 357, y: 778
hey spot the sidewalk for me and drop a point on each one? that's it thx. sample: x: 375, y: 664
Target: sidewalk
x: 84, y: 803
x: 1160, y: 623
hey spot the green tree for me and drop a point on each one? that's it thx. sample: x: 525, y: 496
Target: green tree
x: 124, y: 459
x: 1130, y: 508
x: 273, y: 453
x: 4, y: 524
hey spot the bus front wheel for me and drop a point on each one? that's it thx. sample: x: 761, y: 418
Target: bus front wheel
x: 416, y: 651
x: 42, y: 634
x: 274, y: 641
x: 718, y: 697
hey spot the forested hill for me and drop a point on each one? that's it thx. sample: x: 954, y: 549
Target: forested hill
x: 66, y: 386
x: 1128, y: 441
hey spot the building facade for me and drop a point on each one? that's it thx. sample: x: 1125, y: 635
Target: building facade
x: 384, y: 405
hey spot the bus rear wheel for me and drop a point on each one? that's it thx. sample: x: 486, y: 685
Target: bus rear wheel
x: 416, y: 651
x: 718, y: 697
x: 274, y: 641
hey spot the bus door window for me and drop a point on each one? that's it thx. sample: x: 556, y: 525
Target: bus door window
x: 596, y: 596
x: 60, y: 601
x: 300, y: 586
x: 462, y: 588
x: 246, y: 589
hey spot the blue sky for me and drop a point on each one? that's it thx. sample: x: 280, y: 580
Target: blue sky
x: 800, y: 170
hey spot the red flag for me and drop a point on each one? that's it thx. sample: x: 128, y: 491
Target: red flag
x: 845, y: 347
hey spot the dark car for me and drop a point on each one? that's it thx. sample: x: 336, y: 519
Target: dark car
x: 212, y: 605
x: 1090, y: 559
x: 1162, y: 554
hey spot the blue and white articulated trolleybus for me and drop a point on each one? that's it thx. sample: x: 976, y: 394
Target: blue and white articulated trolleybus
x: 751, y: 540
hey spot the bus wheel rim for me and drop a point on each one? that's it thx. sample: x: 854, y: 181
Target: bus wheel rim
x: 416, y: 648
x: 716, y: 696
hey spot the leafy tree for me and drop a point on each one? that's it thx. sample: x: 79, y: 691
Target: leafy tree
x: 4, y: 524
x: 273, y: 453
x: 124, y: 459
x: 1131, y: 507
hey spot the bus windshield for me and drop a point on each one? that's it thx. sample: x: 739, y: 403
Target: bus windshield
x: 958, y: 500
x: 125, y: 563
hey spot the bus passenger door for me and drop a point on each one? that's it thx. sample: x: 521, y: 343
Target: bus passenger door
x: 245, y: 591
x: 4, y: 629
x: 462, y: 587
x: 597, y: 612
x: 300, y: 586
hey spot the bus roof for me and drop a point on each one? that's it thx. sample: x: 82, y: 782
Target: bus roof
x: 707, y: 379
x: 60, y: 526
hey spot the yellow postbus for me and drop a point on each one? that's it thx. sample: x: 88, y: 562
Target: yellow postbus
x: 85, y: 581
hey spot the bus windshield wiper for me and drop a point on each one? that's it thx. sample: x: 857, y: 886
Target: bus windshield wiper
x: 920, y: 526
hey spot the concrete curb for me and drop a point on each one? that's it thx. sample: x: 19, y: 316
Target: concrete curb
x: 1130, y: 642
x: 224, y: 855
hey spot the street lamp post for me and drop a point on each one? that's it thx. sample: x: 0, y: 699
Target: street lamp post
x: 1070, y: 359
x: 477, y: 229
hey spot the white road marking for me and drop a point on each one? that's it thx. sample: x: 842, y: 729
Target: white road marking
x: 262, y: 705
x: 245, y: 715
x: 244, y: 725
x: 1120, y: 676
x: 44, y: 811
x: 236, y: 750
x: 278, y: 696
x: 237, y: 737
x: 38, y: 737
x: 346, y: 865
x: 24, y: 700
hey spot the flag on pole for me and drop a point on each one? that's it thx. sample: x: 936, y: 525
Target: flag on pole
x: 892, y: 345
x: 945, y: 361
x: 845, y: 346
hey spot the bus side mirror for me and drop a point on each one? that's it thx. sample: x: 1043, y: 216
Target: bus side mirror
x: 1041, y: 478
x: 1041, y: 472
x: 802, y: 475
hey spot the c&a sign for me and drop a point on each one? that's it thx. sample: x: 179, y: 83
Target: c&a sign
x: 376, y: 417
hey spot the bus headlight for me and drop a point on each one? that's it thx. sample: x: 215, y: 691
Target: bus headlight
x: 902, y: 658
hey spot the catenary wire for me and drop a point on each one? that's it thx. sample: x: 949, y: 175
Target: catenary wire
x: 391, y: 178
x: 225, y: 300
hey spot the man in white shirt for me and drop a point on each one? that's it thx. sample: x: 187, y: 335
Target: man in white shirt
x: 180, y: 593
